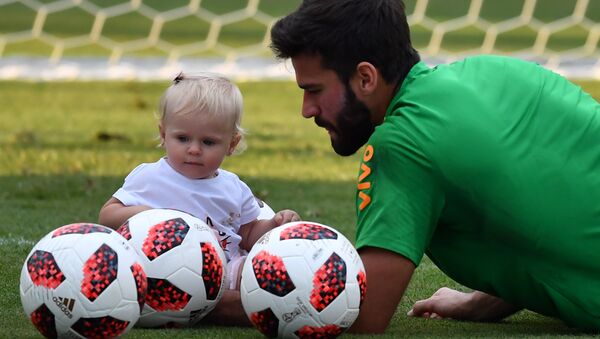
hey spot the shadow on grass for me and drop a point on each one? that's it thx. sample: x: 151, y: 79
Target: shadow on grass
x: 524, y: 324
x: 31, y: 206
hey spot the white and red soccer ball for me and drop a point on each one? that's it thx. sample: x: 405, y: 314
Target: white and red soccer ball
x: 303, y: 279
x: 82, y: 280
x: 184, y: 264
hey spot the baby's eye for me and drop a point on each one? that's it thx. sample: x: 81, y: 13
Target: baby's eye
x: 208, y: 142
x: 182, y: 138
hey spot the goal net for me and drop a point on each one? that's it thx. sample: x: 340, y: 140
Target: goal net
x: 155, y: 39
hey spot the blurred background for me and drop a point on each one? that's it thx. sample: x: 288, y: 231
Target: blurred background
x: 80, y: 81
x: 154, y: 39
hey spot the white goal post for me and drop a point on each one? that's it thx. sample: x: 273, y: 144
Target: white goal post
x: 233, y: 36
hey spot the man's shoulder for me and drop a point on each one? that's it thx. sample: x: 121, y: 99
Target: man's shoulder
x: 444, y: 85
x: 476, y: 67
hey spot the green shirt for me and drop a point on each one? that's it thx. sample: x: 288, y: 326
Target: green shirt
x: 491, y: 166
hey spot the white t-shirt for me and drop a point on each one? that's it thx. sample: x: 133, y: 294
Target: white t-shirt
x: 223, y: 202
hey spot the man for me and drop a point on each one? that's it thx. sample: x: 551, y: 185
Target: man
x: 490, y: 166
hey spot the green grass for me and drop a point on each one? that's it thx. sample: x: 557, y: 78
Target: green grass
x: 56, y: 169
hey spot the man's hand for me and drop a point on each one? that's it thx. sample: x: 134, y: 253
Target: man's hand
x: 475, y: 306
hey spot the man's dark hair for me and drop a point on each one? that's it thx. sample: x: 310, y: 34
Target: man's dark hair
x: 346, y: 32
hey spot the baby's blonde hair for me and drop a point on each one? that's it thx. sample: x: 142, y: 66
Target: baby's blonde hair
x: 205, y: 93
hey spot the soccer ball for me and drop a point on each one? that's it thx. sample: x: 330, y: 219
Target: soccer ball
x: 82, y: 280
x: 302, y: 279
x: 184, y: 263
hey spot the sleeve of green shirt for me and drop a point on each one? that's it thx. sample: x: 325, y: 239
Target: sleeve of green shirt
x: 404, y: 198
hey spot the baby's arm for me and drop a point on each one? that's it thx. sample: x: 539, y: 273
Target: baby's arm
x: 253, y: 230
x: 229, y: 311
x: 113, y: 214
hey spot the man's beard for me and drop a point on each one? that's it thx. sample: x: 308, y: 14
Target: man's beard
x: 353, y: 127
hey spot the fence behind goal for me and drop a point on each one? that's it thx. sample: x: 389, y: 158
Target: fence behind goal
x: 155, y: 39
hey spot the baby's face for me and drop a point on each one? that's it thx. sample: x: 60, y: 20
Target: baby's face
x: 196, y: 144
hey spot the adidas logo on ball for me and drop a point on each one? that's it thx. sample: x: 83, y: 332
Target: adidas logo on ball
x: 65, y: 305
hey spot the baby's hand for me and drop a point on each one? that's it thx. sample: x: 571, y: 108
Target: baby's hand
x: 285, y: 216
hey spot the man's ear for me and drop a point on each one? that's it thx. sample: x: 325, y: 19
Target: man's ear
x: 234, y: 142
x: 366, y: 78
